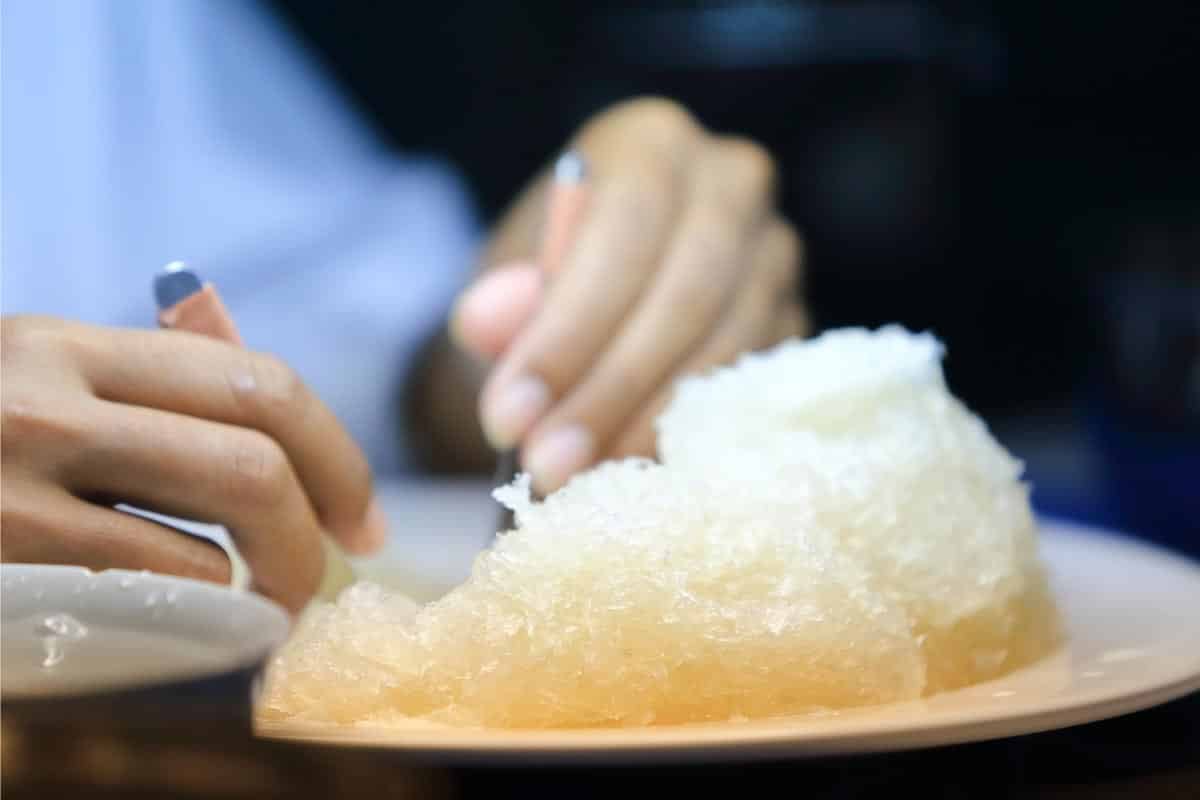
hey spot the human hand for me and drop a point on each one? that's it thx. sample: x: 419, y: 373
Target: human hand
x: 681, y: 262
x: 181, y: 424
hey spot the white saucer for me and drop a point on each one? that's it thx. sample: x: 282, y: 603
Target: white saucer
x: 69, y: 631
x: 1132, y: 616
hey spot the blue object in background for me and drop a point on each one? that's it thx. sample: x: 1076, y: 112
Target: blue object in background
x: 1151, y: 479
x: 1142, y: 414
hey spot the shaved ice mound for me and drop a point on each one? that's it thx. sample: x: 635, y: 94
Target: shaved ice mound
x: 908, y: 481
x: 828, y: 528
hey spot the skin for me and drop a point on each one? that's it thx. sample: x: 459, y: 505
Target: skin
x: 680, y: 218
x: 189, y: 426
x: 182, y: 424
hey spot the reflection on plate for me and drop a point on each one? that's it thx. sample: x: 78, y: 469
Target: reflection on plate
x: 70, y: 631
x: 1133, y: 642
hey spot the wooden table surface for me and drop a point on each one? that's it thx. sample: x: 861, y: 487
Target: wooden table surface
x: 199, y: 743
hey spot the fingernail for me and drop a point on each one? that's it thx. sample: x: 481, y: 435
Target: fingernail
x: 374, y: 531
x: 557, y: 456
x: 514, y: 410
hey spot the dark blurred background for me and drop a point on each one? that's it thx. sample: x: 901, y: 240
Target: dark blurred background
x: 1021, y: 178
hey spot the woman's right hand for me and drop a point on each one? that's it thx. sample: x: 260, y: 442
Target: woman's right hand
x: 184, y: 425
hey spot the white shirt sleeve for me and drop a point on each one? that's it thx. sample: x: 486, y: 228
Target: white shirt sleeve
x: 137, y: 132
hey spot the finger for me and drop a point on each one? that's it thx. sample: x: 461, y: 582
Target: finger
x: 200, y: 377
x: 491, y: 312
x: 48, y: 525
x: 792, y: 321
x: 734, y: 337
x: 700, y: 272
x: 604, y: 273
x: 759, y: 317
x: 197, y: 469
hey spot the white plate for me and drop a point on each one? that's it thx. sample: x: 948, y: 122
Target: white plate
x: 68, y: 631
x: 1132, y: 616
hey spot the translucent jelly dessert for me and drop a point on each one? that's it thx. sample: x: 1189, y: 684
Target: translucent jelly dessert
x: 828, y: 528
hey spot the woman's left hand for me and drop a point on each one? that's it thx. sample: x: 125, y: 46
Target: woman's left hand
x: 681, y: 262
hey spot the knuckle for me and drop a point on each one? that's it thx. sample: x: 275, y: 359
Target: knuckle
x: 753, y: 165
x: 83, y: 342
x: 656, y: 120
x: 16, y: 324
x: 668, y: 117
x: 14, y: 333
x: 259, y: 472
x: 24, y: 419
x: 277, y: 388
x: 24, y: 335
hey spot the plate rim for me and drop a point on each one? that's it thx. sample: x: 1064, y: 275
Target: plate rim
x: 765, y: 746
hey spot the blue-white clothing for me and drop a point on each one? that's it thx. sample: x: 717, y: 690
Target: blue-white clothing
x: 138, y: 132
